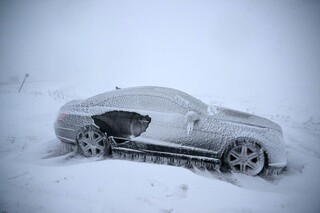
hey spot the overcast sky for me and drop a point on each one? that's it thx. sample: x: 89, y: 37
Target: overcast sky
x: 206, y: 46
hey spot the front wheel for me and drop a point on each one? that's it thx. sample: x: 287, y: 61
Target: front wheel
x: 92, y: 142
x: 244, y: 156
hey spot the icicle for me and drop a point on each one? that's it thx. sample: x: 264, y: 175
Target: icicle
x: 190, y: 127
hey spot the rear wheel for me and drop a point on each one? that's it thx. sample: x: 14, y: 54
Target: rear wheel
x: 92, y: 142
x: 244, y: 156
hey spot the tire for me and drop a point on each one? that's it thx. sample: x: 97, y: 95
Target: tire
x: 93, y: 143
x: 244, y: 156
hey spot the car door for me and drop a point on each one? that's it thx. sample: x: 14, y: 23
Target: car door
x: 167, y: 128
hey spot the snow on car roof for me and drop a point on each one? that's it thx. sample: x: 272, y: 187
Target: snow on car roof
x: 168, y: 93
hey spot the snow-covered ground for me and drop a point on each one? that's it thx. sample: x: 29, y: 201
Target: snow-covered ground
x: 36, y: 176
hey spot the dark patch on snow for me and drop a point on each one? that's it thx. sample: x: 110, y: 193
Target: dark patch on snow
x: 122, y: 124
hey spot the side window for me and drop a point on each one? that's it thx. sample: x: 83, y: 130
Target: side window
x: 145, y: 102
x: 161, y: 104
x: 122, y: 102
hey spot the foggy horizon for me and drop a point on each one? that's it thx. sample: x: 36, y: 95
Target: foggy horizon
x: 245, y: 47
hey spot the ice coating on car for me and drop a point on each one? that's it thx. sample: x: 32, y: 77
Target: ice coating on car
x: 166, y: 93
x: 165, y: 121
x: 246, y: 119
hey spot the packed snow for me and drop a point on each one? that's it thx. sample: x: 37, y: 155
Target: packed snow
x: 38, y: 175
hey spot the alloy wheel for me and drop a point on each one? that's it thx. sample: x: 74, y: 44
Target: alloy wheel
x: 92, y: 142
x: 247, y: 158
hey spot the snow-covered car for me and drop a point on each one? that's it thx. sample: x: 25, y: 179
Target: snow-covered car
x: 168, y: 126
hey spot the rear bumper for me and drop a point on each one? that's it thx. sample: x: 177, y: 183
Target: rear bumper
x: 66, y: 135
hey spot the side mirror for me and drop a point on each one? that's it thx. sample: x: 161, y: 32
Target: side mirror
x: 191, y: 118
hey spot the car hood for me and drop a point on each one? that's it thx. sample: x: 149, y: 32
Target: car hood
x: 234, y: 116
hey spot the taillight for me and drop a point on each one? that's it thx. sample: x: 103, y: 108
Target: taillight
x: 62, y: 116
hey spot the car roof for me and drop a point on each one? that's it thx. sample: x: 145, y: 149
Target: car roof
x: 164, y: 92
